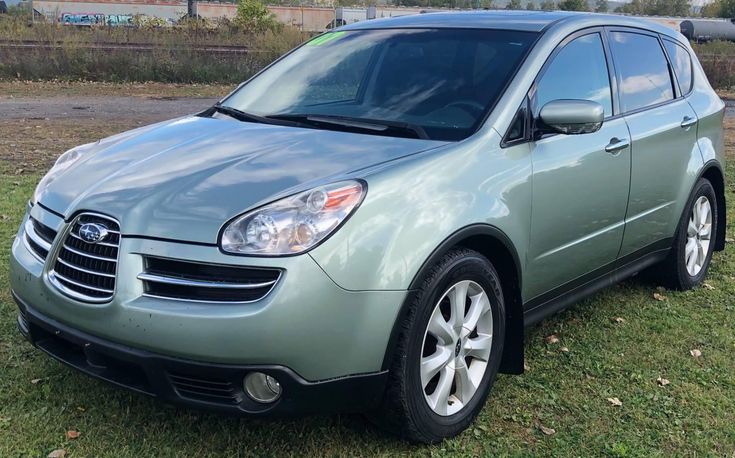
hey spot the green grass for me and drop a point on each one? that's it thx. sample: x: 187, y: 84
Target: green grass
x: 566, y: 391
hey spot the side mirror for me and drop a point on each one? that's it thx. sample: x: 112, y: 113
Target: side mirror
x: 572, y: 117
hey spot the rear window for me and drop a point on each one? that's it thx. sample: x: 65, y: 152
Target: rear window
x: 643, y: 70
x: 682, y: 63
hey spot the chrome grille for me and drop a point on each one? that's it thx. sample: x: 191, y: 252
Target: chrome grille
x: 38, y: 238
x: 86, y: 271
x: 200, y: 282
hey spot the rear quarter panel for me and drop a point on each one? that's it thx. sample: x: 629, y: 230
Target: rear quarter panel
x: 710, y: 111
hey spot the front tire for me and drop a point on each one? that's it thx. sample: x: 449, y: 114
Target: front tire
x: 689, y: 260
x: 448, y: 352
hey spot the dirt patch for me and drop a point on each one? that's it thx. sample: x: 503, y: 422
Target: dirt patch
x: 35, y: 89
x: 32, y: 145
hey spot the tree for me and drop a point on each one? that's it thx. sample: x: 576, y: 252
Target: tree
x: 727, y: 8
x: 602, y: 6
x: 658, y: 7
x: 514, y: 5
x: 712, y: 9
x: 548, y: 5
x: 254, y: 16
x: 573, y: 5
x: 530, y: 6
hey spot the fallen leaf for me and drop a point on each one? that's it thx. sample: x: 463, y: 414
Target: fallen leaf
x: 659, y: 297
x: 526, y: 367
x: 615, y: 401
x: 36, y: 381
x: 662, y: 381
x: 696, y: 353
x: 619, y: 319
x: 729, y: 240
x: 72, y: 434
x: 81, y: 408
x: 547, y: 431
x: 58, y: 453
x: 707, y: 286
x: 552, y: 339
x: 564, y: 349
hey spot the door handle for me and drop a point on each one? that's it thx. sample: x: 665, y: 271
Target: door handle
x: 617, y: 144
x: 688, y: 122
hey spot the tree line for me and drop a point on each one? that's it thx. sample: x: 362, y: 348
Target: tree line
x: 717, y: 8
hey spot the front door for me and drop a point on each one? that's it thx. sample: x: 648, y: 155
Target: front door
x: 580, y: 182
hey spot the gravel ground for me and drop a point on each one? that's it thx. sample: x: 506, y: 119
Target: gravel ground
x: 143, y: 109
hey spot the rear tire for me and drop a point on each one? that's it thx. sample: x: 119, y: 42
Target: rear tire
x: 446, y: 362
x: 690, y: 256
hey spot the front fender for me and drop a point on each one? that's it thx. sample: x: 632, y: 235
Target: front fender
x: 413, y: 205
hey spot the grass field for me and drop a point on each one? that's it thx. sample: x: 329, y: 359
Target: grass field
x: 621, y: 344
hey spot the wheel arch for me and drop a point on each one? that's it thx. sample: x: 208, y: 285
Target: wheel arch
x: 712, y: 171
x: 495, y: 245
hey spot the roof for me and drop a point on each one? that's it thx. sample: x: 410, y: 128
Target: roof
x: 528, y: 21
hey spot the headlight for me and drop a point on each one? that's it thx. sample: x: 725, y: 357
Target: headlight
x: 294, y: 224
x: 64, y: 161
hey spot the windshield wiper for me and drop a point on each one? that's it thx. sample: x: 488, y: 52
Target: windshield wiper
x: 250, y: 117
x: 379, y: 127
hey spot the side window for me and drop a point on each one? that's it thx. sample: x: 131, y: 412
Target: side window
x: 517, y: 129
x: 682, y: 63
x: 643, y: 69
x: 578, y: 71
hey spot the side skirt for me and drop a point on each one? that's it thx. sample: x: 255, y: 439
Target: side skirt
x: 566, y: 295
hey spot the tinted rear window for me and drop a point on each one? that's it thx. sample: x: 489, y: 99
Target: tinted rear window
x: 682, y: 63
x: 643, y: 70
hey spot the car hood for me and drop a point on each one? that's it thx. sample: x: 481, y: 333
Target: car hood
x: 183, y: 179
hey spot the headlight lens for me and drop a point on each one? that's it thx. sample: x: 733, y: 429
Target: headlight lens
x: 294, y: 224
x: 64, y: 161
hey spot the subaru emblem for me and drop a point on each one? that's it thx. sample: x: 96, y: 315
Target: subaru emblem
x: 93, y: 232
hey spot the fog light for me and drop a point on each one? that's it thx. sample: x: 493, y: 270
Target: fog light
x: 261, y: 387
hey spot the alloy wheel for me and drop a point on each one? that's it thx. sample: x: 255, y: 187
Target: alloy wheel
x: 699, y: 234
x: 456, y: 347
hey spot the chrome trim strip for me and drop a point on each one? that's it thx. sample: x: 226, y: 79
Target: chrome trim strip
x: 52, y: 277
x: 202, y: 283
x: 96, y: 243
x: 202, y: 301
x: 31, y: 250
x: 86, y: 271
x: 31, y: 232
x: 81, y: 285
x: 81, y: 253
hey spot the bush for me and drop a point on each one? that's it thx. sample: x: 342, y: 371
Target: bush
x: 253, y: 16
x: 185, y: 53
x: 718, y: 61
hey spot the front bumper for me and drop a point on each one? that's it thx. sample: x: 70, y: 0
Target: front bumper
x: 307, y: 327
x: 209, y: 386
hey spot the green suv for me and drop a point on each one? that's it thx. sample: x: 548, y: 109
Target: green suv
x: 370, y: 223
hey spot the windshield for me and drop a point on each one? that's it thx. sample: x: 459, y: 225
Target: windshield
x: 438, y: 82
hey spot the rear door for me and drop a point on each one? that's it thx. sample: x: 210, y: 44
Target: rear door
x: 663, y: 130
x: 580, y: 182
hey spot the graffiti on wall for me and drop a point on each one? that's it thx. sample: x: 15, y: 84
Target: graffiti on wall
x: 96, y: 19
